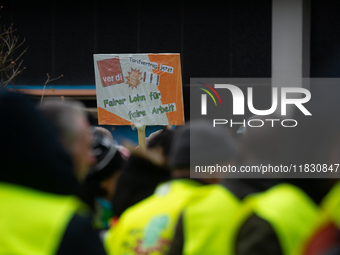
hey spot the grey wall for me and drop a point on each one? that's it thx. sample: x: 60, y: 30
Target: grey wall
x: 229, y: 39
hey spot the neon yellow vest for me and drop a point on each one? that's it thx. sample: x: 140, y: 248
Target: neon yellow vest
x: 148, y: 227
x: 331, y: 205
x: 32, y: 222
x: 207, y: 220
x: 329, y: 212
x: 287, y: 209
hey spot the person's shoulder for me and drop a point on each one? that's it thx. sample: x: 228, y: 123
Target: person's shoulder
x: 80, y: 238
x: 257, y: 236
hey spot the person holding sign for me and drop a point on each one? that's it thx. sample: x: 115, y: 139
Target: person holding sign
x: 141, y: 175
x: 149, y: 226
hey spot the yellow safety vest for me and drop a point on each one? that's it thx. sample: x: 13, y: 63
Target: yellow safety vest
x: 329, y: 213
x: 32, y: 222
x: 331, y: 205
x: 289, y: 211
x: 207, y: 220
x: 148, y: 227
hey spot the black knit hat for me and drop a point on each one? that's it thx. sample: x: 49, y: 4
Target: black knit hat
x: 109, y: 159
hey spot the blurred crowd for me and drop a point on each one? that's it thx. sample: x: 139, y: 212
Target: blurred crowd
x: 67, y: 187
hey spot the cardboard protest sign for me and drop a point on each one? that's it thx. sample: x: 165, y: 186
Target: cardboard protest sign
x: 143, y: 89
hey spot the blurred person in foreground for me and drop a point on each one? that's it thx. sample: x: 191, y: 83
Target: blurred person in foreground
x: 100, y: 183
x: 141, y: 176
x: 70, y: 120
x: 258, y: 145
x: 149, y: 226
x: 39, y: 210
x: 324, y: 238
x: 280, y: 219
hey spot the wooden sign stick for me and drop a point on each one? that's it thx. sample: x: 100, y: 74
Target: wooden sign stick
x: 141, y: 138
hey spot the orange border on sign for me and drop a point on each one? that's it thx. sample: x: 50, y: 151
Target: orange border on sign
x: 170, y: 87
x: 106, y: 118
x: 170, y: 94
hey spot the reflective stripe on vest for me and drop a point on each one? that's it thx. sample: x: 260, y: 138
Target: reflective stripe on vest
x: 148, y: 227
x: 32, y: 222
x: 207, y: 220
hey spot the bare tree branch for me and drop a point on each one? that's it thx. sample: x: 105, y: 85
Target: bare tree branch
x: 46, y: 82
x: 9, y: 45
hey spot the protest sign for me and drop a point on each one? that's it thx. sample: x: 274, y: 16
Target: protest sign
x: 139, y: 89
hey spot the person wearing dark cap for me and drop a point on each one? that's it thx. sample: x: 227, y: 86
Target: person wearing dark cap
x: 149, y: 226
x: 99, y: 186
x: 39, y: 210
